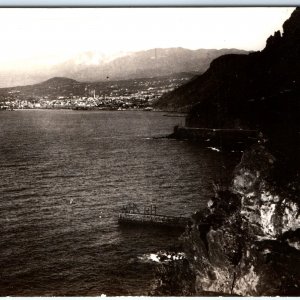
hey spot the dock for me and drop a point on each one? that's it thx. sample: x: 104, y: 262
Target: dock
x: 130, y: 215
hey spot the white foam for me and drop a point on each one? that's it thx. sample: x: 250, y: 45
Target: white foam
x: 214, y: 149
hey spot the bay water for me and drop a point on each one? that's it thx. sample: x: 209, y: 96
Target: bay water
x: 65, y: 175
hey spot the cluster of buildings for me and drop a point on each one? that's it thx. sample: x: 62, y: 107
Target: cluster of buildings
x: 98, y: 102
x: 136, y: 94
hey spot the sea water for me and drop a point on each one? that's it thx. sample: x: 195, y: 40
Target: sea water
x: 65, y: 175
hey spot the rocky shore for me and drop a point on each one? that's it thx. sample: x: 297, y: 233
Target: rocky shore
x: 246, y: 242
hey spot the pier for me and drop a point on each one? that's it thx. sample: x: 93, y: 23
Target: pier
x: 131, y: 215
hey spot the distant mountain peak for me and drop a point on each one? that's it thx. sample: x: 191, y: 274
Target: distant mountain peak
x: 58, y: 81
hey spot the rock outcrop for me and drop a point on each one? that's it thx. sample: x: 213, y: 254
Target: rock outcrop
x: 247, y: 241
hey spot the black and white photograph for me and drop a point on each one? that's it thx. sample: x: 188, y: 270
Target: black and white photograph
x: 149, y: 151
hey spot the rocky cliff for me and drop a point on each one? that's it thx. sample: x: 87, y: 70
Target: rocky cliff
x: 246, y: 91
x: 247, y: 241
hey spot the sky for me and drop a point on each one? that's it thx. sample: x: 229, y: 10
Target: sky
x: 34, y: 37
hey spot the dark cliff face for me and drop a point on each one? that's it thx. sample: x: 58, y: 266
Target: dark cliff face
x: 259, y: 90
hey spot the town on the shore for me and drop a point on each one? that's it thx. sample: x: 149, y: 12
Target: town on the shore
x: 65, y: 93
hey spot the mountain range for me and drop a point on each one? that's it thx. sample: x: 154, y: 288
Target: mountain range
x: 90, y: 67
x: 143, y: 64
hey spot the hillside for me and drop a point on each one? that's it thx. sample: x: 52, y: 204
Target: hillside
x: 57, y: 82
x: 67, y: 87
x: 62, y: 92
